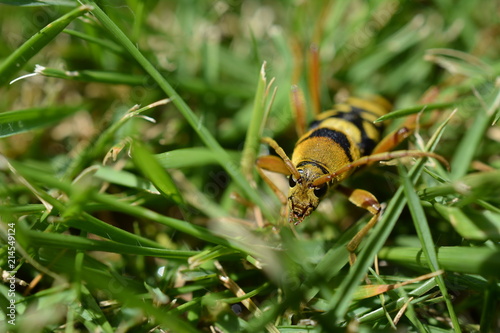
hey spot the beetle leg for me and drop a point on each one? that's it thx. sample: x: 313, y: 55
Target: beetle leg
x: 280, y: 164
x: 299, y: 110
x: 410, y: 125
x: 297, y: 96
x: 393, y: 139
x: 275, y: 164
x: 365, y: 200
x: 272, y: 163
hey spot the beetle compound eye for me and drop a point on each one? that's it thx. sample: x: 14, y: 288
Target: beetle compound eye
x: 291, y: 181
x: 320, y: 191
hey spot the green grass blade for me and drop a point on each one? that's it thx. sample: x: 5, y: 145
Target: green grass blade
x: 413, y: 110
x: 471, y: 260
x: 153, y: 171
x: 254, y: 133
x: 32, y: 46
x: 59, y: 241
x: 467, y: 147
x: 425, y: 236
x: 477, y: 185
x: 23, y: 209
x: 93, y: 225
x: 125, y: 178
x: 191, y: 157
x: 471, y: 224
x: 139, y: 17
x: 489, y: 318
x: 92, y: 315
x: 92, y: 76
x: 20, y: 121
x: 101, y: 42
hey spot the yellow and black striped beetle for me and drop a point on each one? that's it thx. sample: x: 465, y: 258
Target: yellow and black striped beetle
x: 337, y: 142
x: 335, y: 138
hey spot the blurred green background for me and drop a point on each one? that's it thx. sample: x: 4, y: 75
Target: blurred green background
x: 150, y: 220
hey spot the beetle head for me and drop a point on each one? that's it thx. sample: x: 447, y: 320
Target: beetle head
x: 303, y: 197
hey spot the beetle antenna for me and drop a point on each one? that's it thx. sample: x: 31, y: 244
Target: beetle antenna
x: 281, y: 153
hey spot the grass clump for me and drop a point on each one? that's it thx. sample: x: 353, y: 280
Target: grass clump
x: 129, y: 197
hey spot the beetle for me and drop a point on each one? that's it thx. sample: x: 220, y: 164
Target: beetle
x: 337, y: 142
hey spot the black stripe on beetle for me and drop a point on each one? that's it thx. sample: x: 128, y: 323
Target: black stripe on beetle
x: 355, y: 117
x: 336, y: 136
x: 314, y: 163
